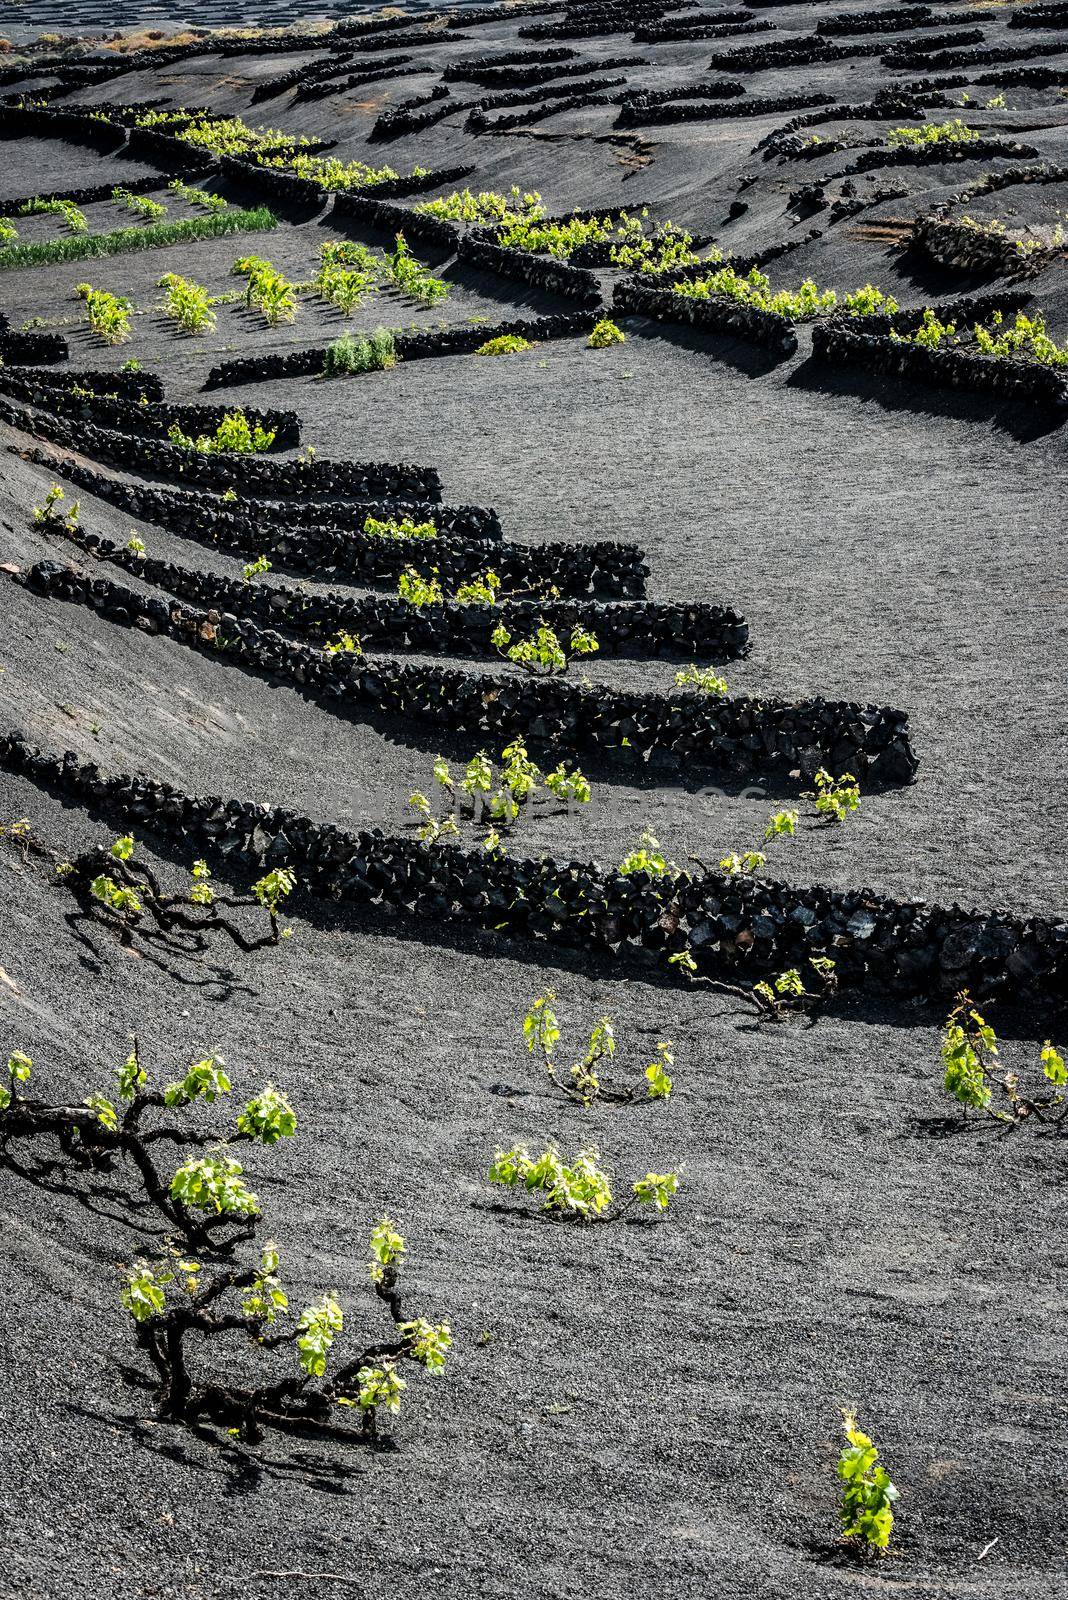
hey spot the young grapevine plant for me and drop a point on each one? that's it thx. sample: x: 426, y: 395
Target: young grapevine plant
x: 577, y: 1190
x: 972, y: 1071
x: 112, y: 886
x: 868, y: 1496
x: 497, y: 795
x: 541, y: 1034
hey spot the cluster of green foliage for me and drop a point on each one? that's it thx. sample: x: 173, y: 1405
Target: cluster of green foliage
x: 8, y: 231
x: 647, y: 856
x: 255, y: 569
x: 544, y: 654
x: 345, y: 287
x: 109, y: 314
x: 409, y: 274
x: 785, y: 993
x: 194, y: 1283
x: 49, y: 514
x: 755, y: 290
x: 329, y: 172
x: 363, y: 352
x: 930, y: 334
x: 869, y: 302
x: 706, y: 679
x: 603, y: 334
x: 971, y: 1058
x: 140, y: 204
x: 152, y: 237
x: 868, y: 1496
x: 1027, y: 338
x: 634, y: 245
x: 541, y: 1032
x: 498, y: 797
x: 487, y: 206
x: 399, y: 528
x: 224, y: 136
x: 73, y: 217
x: 932, y: 133
x: 834, y: 798
x: 505, y: 344
x: 200, y: 198
x: 577, y: 1190
x: 267, y: 289
x: 234, y: 434
x: 187, y: 303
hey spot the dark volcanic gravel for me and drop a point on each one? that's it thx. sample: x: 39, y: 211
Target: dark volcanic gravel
x: 650, y: 1409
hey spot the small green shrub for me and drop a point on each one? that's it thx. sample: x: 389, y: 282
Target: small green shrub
x: 234, y: 434
x: 419, y: 591
x: 187, y: 303
x: 1027, y: 338
x: 755, y: 290
x: 603, y: 334
x: 932, y: 133
x: 647, y: 856
x: 352, y: 353
x: 869, y: 302
x: 109, y: 314
x: 402, y: 528
x: 73, y: 217
x: 485, y: 207
x: 8, y: 231
x: 834, y: 798
x: 484, y: 795
x: 506, y: 344
x: 197, y: 197
x: 412, y: 276
x: 544, y: 654
x: 268, y: 290
x: 868, y: 1496
x: 139, y: 204
x: 704, y: 678
x: 541, y: 1032
x: 579, y: 1189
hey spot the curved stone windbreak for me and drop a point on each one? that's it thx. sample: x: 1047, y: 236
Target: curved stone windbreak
x: 467, y: 71
x: 937, y: 155
x: 410, y: 346
x: 355, y: 480
x: 150, y: 420
x: 737, y: 927
x: 90, y: 195
x: 786, y: 53
x: 478, y: 122
x: 31, y: 349
x: 976, y: 58
x: 308, y: 538
x: 521, y: 77
x: 944, y: 369
x: 386, y: 217
x: 130, y: 385
x: 685, y: 731
x: 730, y: 317
x: 1039, y: 16
x: 984, y: 252
x: 726, y: 26
x: 639, y: 111
x: 906, y: 52
x: 541, y: 272
x: 640, y: 629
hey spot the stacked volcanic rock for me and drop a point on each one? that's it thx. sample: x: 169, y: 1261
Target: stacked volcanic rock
x: 687, y: 730
x: 739, y: 927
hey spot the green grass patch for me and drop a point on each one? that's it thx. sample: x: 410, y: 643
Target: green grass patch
x: 153, y: 237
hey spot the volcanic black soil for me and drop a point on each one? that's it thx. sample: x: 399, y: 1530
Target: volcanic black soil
x: 651, y: 1408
